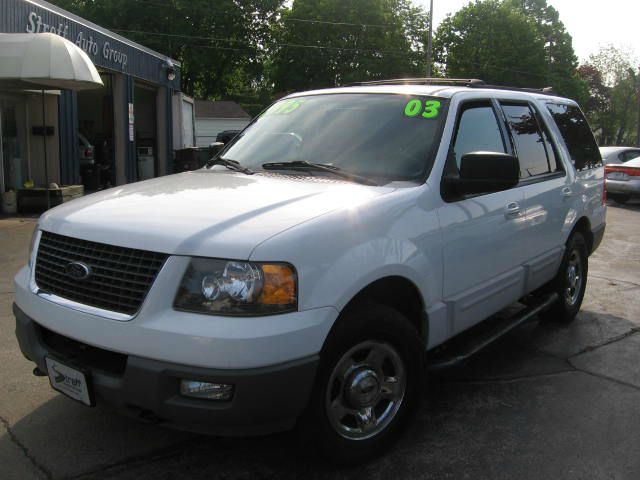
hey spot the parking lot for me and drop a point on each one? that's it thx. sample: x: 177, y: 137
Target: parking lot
x: 547, y: 401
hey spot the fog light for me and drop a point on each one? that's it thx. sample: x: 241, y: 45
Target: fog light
x: 209, y: 391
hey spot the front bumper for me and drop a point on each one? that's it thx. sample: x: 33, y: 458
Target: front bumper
x: 265, y: 400
x: 161, y: 333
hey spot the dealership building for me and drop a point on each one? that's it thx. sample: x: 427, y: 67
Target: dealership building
x: 127, y: 130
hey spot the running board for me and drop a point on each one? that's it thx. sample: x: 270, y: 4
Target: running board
x: 465, y: 348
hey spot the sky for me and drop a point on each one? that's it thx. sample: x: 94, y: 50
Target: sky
x: 591, y: 23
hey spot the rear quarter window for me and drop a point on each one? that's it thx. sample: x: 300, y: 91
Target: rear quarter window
x: 577, y: 135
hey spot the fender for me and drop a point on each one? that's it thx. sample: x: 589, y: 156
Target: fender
x: 340, y: 253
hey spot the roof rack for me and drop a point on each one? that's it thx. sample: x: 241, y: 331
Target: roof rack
x: 543, y: 91
x: 466, y: 82
x: 461, y: 82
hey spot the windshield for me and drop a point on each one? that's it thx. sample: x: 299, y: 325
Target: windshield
x: 387, y: 136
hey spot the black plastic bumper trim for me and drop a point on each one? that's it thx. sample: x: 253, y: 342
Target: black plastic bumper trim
x: 265, y: 400
x: 598, y: 234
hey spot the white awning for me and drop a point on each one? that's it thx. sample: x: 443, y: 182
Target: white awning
x: 44, y: 61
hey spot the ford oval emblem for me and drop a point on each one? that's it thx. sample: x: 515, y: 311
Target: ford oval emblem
x: 78, y: 270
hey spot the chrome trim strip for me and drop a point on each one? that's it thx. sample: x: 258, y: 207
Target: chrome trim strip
x: 83, y: 308
x: 32, y: 262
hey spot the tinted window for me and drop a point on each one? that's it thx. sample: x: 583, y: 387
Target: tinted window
x: 528, y: 140
x: 629, y: 155
x: 478, y: 130
x: 577, y: 135
x: 377, y: 135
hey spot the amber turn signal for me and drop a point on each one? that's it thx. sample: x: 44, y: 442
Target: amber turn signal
x: 279, y: 285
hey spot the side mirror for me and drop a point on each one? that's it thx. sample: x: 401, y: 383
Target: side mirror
x: 484, y: 172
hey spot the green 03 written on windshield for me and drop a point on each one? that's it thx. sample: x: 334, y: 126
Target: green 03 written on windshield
x: 379, y: 137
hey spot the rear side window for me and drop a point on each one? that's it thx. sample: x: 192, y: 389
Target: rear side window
x: 531, y: 147
x: 577, y: 135
x: 478, y: 130
x: 629, y: 155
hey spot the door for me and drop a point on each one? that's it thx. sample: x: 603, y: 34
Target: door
x: 484, y: 234
x: 547, y: 191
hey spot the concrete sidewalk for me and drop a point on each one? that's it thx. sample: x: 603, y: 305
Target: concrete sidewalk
x: 547, y: 401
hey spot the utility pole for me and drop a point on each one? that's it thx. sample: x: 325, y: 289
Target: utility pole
x: 638, y: 98
x: 430, y: 41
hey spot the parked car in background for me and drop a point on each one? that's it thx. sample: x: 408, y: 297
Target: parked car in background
x: 227, y: 136
x: 623, y: 181
x: 86, y: 151
x: 617, y: 155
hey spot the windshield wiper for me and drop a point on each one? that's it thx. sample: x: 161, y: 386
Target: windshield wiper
x: 318, y: 167
x: 230, y: 164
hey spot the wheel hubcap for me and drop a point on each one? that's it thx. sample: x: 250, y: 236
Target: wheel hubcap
x: 574, y: 278
x: 365, y: 390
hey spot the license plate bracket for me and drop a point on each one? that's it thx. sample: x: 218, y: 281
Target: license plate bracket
x: 70, y: 380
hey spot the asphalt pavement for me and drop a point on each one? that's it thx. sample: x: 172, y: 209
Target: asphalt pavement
x: 546, y: 401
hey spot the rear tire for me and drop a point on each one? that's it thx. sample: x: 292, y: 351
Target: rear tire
x: 367, y: 386
x: 570, y: 282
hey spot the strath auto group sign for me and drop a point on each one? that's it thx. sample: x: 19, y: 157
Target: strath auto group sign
x: 83, y: 40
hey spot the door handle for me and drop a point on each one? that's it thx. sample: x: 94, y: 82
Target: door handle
x: 567, y: 192
x: 512, y: 209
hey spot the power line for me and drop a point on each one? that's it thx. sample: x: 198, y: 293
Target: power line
x: 292, y: 45
x: 307, y: 20
x: 251, y: 48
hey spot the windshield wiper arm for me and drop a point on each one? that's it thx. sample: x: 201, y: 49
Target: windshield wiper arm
x: 319, y: 167
x: 230, y: 164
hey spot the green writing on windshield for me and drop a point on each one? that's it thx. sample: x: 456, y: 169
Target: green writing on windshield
x: 428, y: 109
x: 285, y: 107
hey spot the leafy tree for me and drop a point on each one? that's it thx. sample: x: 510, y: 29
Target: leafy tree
x: 347, y: 41
x: 560, y: 59
x: 614, y: 83
x: 493, y: 41
x: 219, y: 44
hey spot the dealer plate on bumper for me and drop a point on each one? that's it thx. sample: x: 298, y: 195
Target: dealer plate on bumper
x: 70, y: 381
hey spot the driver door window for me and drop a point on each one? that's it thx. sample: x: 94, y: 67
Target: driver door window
x: 478, y: 131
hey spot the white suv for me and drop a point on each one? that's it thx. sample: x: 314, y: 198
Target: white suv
x: 301, y: 276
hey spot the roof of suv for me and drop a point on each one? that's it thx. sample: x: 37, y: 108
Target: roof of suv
x: 438, y: 90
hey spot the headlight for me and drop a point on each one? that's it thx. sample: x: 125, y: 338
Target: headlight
x: 229, y: 287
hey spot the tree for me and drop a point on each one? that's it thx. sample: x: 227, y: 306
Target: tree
x: 614, y: 83
x: 324, y: 43
x: 493, y: 41
x: 560, y: 58
x: 220, y: 45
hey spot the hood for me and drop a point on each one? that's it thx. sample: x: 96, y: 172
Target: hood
x: 209, y: 213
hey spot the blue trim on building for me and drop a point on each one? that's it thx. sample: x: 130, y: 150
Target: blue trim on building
x: 104, y: 48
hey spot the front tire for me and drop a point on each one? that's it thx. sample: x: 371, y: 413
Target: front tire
x: 570, y: 282
x: 368, y: 384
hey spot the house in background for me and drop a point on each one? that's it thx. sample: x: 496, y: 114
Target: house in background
x: 213, y: 117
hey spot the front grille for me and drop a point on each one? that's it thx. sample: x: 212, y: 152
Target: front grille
x: 120, y: 277
x: 82, y: 354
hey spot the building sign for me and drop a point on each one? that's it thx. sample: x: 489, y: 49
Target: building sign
x: 83, y: 40
x: 105, y: 49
